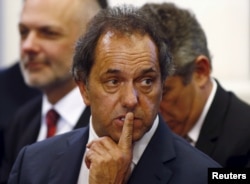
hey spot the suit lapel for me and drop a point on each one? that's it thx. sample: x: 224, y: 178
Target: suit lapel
x: 29, y: 125
x: 213, y: 123
x: 67, y: 164
x: 152, y: 167
x: 32, y: 129
x: 84, y: 118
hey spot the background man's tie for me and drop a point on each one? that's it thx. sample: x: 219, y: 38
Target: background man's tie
x: 51, y: 119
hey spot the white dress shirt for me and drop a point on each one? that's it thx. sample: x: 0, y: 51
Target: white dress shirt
x: 194, y: 133
x: 138, y: 150
x: 70, y: 108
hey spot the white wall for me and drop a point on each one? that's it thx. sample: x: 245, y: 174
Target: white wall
x: 226, y: 23
x: 10, y: 40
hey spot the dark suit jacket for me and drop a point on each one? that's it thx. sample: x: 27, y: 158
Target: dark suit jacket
x: 13, y: 94
x: 23, y: 130
x: 225, y: 134
x: 168, y: 159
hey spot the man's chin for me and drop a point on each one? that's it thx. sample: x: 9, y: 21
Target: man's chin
x: 35, y: 84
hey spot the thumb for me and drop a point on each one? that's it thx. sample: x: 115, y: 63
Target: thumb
x: 125, y: 141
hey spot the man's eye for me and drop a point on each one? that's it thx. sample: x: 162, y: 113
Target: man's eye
x: 49, y: 33
x: 112, y: 82
x: 111, y: 86
x: 23, y: 32
x: 147, y: 82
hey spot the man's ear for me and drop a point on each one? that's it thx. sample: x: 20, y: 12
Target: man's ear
x: 202, y: 70
x: 84, y: 92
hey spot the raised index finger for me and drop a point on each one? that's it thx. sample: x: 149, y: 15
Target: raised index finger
x: 125, y: 141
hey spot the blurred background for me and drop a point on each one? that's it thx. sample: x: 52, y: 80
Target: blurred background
x: 226, y: 24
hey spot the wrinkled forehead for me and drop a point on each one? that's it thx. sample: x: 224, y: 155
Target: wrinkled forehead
x: 123, y: 50
x: 117, y: 41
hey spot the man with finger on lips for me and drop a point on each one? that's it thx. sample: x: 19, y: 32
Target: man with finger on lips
x: 120, y: 65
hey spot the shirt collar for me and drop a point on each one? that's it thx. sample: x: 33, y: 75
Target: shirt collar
x: 69, y: 107
x: 139, y: 146
x: 195, y: 131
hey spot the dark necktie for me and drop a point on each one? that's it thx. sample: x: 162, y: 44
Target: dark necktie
x: 51, y: 119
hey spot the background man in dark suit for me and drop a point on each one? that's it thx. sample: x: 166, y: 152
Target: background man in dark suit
x: 13, y: 94
x: 48, y: 31
x: 194, y: 104
x: 120, y: 66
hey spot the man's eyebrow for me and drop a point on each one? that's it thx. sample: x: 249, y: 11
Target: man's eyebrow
x: 41, y: 27
x: 112, y: 71
x: 148, y: 70
x: 143, y: 72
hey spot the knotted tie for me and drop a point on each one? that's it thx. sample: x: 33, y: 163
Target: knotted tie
x: 51, y: 119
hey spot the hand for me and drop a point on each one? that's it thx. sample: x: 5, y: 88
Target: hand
x: 109, y: 162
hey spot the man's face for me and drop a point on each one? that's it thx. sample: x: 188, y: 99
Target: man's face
x: 48, y: 31
x: 180, y: 105
x: 125, y: 78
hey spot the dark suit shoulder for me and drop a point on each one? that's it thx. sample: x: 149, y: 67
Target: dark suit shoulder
x: 14, y: 93
x: 57, y: 141
x: 230, y: 102
x: 182, y: 151
x: 49, y: 148
x: 25, y: 114
x: 191, y: 155
x: 236, y: 114
x: 225, y: 132
x: 57, y: 155
x: 30, y: 106
x: 190, y: 165
x: 23, y: 128
x: 238, y: 106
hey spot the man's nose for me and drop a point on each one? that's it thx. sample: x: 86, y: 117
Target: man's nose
x: 30, y: 43
x: 129, y: 97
